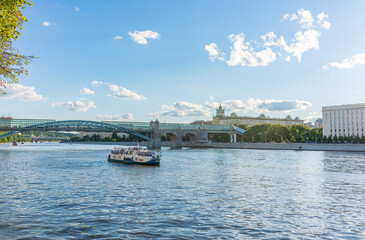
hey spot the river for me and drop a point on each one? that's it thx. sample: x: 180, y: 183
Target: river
x: 62, y: 191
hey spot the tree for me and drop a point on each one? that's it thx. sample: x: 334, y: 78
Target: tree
x: 335, y: 139
x: 12, y: 62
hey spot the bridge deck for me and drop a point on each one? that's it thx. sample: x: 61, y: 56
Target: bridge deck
x: 140, y: 126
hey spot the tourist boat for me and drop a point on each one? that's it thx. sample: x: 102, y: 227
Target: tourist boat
x: 14, y: 143
x: 135, y: 155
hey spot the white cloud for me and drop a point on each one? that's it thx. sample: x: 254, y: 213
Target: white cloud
x: 304, y: 18
x: 46, y: 24
x: 259, y: 105
x: 86, y: 91
x: 77, y: 9
x: 243, y: 54
x: 116, y: 117
x: 214, y: 52
x: 117, y: 37
x: 141, y: 36
x: 274, y: 105
x: 78, y: 105
x: 182, y: 109
x: 228, y: 105
x: 313, y: 116
x: 99, y: 83
x: 290, y: 17
x: 322, y: 22
x: 119, y: 91
x: 358, y: 59
x: 304, y: 41
x: 24, y: 93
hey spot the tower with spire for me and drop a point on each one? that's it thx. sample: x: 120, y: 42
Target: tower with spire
x: 220, y: 111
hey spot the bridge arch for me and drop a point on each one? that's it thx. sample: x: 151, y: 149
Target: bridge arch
x: 192, y: 135
x: 175, y: 139
x: 77, y: 125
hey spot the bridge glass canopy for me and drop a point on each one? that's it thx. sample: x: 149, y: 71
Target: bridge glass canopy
x: 184, y: 126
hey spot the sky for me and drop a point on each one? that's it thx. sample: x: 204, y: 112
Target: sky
x: 176, y: 61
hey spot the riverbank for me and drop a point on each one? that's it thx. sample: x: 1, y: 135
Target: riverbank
x: 285, y: 146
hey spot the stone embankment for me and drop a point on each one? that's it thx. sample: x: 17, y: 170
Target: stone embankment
x: 285, y: 146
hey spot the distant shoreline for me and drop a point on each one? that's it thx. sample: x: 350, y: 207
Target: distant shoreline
x: 285, y: 146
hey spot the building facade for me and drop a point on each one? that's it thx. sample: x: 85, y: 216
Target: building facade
x: 17, y: 122
x: 344, y: 120
x: 221, y: 119
x: 101, y: 134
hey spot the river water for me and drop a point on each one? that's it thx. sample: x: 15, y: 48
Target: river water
x: 60, y: 191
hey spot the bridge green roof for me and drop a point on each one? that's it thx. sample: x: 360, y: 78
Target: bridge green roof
x: 184, y: 126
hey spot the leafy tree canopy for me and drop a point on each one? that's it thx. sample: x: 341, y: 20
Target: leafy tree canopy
x: 12, y: 62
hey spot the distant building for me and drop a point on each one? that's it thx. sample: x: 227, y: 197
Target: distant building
x: 101, y: 134
x: 16, y: 122
x: 318, y: 123
x: 344, y: 120
x: 221, y: 119
x: 309, y: 124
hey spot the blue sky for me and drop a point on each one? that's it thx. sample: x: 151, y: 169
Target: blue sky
x: 176, y: 60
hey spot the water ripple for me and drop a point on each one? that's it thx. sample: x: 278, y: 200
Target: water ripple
x: 55, y: 191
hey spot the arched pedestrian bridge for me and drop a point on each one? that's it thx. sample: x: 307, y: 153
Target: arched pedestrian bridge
x: 146, y: 131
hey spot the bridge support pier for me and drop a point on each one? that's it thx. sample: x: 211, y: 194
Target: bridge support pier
x: 233, y: 138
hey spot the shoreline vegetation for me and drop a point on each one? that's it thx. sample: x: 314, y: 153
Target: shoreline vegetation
x: 264, y: 133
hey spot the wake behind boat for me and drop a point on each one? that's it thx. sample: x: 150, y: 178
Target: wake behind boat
x: 135, y: 155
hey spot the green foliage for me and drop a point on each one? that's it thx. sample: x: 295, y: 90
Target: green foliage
x: 219, y: 137
x: 97, y: 138
x: 16, y: 137
x: 335, y: 139
x: 280, y: 133
x: 11, y: 60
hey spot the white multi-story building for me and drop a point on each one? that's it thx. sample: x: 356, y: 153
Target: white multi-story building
x: 344, y: 120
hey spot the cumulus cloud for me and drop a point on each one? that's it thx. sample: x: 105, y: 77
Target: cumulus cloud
x: 214, y: 52
x: 229, y: 105
x: 86, y: 91
x: 119, y: 91
x: 182, y: 109
x: 358, y: 59
x: 116, y: 117
x: 141, y: 36
x: 322, y: 22
x: 23, y: 93
x: 78, y: 105
x: 99, y: 83
x: 46, y: 24
x: 117, y: 37
x: 273, y: 105
x: 244, y: 55
x: 259, y: 105
x: 305, y: 41
x: 313, y: 116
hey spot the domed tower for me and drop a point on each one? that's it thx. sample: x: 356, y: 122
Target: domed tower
x: 220, y: 111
